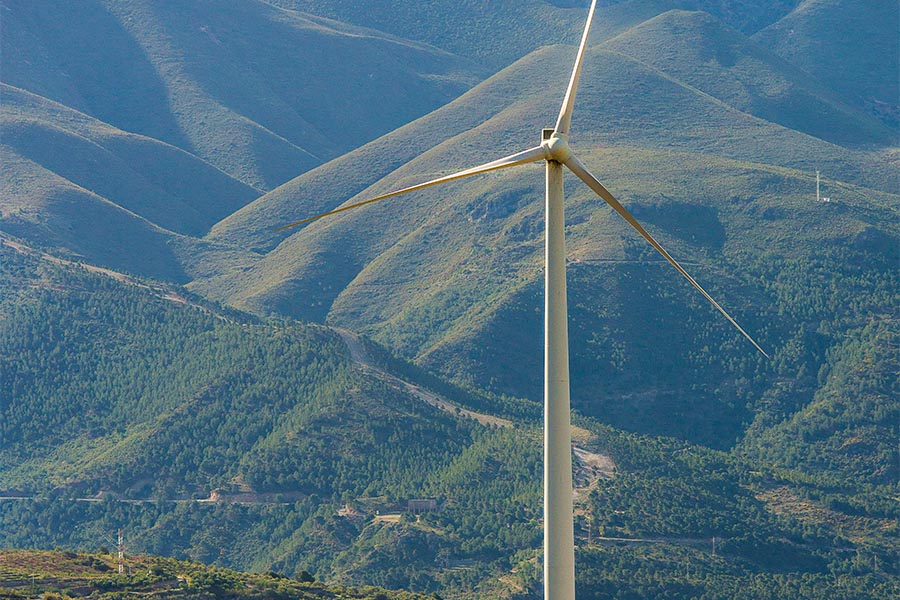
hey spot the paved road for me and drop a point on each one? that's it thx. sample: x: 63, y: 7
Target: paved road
x: 362, y: 358
x: 589, y: 466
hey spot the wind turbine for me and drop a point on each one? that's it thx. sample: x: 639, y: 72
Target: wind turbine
x: 559, y: 538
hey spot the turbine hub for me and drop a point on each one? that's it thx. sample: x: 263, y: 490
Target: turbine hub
x: 556, y: 147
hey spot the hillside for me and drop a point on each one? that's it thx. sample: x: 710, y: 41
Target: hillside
x: 245, y: 86
x: 699, y: 50
x: 822, y: 37
x: 360, y: 398
x: 148, y: 178
x: 613, y: 109
x: 65, y: 575
x: 505, y: 30
x: 466, y: 303
x: 259, y: 446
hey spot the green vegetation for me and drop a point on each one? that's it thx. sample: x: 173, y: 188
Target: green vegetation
x: 120, y: 438
x: 198, y: 396
x: 64, y: 575
x: 824, y: 37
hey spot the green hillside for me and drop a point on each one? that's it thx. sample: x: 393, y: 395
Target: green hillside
x: 503, y: 31
x: 699, y: 50
x: 152, y: 180
x: 246, y: 86
x: 824, y: 37
x: 272, y: 402
x: 63, y: 575
x: 209, y: 435
x: 134, y: 403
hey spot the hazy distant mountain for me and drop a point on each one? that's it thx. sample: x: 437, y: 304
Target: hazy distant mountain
x: 128, y: 121
x: 159, y: 182
x: 701, y: 51
x: 852, y: 47
x: 108, y: 197
x: 502, y: 31
x: 259, y: 92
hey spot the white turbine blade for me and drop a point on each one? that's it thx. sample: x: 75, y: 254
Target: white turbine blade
x: 565, y: 113
x: 520, y: 158
x: 577, y: 167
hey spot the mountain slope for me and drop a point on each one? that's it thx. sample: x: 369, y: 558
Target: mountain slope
x: 702, y: 52
x: 505, y: 30
x: 161, y: 183
x: 90, y: 191
x: 450, y: 277
x: 852, y: 48
x: 142, y: 396
x: 244, y: 85
x: 612, y: 86
x: 210, y: 435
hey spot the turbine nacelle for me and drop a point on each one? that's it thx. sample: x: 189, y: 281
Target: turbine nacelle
x: 556, y: 146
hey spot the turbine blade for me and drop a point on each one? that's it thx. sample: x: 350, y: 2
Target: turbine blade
x: 520, y: 158
x: 565, y: 113
x: 578, y: 168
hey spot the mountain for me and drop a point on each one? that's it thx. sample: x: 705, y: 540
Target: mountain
x: 273, y: 401
x: 99, y: 194
x: 210, y: 435
x: 129, y: 127
x: 143, y: 176
x: 823, y: 37
x: 699, y: 50
x: 467, y: 301
x: 506, y: 30
x: 246, y: 86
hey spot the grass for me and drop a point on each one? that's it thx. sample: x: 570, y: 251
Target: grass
x: 65, y: 574
x: 249, y: 89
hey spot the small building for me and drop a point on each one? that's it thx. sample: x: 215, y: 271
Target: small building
x: 422, y: 505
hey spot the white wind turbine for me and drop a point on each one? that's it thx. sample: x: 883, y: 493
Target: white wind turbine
x: 559, y: 539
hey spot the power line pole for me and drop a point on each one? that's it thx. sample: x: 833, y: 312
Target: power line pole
x: 121, y: 550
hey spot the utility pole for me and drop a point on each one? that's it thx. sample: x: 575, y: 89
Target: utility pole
x: 820, y: 197
x: 589, y: 519
x: 121, y: 550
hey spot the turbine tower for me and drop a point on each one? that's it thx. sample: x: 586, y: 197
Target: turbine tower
x: 559, y: 539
